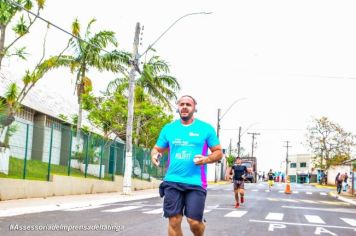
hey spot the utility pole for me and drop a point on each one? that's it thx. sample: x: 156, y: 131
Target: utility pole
x: 134, y: 69
x: 218, y: 124
x: 253, y: 142
x: 230, y: 147
x: 239, y: 143
x: 217, y: 134
x: 287, y: 146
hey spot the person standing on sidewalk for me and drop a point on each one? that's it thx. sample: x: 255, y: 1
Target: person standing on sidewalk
x: 338, y: 181
x: 345, y: 184
x: 184, y: 187
x: 238, y: 173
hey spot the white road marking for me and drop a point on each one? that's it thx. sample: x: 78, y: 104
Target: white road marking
x: 314, y: 219
x: 28, y: 210
x: 307, y: 201
x: 254, y: 190
x: 341, y: 210
x: 324, y: 194
x: 295, y: 192
x: 309, y: 193
x: 274, y: 216
x: 281, y: 191
x: 84, y: 208
x: 207, y: 210
x: 289, y: 200
x: 120, y: 209
x: 349, y: 221
x: 235, y: 214
x: 155, y: 211
x: 302, y: 224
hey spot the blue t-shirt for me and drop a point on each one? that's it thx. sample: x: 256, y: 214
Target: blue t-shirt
x: 184, y: 142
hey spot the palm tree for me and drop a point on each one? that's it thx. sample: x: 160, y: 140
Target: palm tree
x: 11, y: 103
x: 88, y: 54
x: 154, y: 84
x: 8, y: 11
x: 154, y: 81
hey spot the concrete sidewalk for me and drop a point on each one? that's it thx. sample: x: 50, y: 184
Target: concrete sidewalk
x: 36, y: 205
x: 345, y: 197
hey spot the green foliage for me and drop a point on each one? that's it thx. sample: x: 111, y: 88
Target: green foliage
x: 21, y: 28
x: 63, y: 117
x: 8, y: 13
x: 230, y: 160
x: 110, y: 114
x: 93, y: 154
x: 151, y: 119
x: 12, y: 129
x: 330, y: 143
x: 37, y: 170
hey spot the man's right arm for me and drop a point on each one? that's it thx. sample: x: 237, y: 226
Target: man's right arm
x: 155, y: 152
x: 228, y: 173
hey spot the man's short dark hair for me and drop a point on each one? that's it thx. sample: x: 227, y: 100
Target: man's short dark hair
x: 195, y: 102
x: 238, y: 158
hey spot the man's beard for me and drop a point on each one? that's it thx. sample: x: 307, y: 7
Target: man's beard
x: 186, y: 118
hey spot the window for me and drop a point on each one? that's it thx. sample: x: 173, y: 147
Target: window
x: 50, y: 121
x: 26, y: 114
x: 303, y: 164
x: 293, y: 165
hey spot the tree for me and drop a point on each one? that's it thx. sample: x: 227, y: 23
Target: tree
x: 109, y: 113
x: 11, y: 103
x: 8, y: 11
x: 329, y: 143
x: 88, y: 54
x: 154, y: 85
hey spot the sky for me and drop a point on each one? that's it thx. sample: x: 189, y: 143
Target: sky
x: 285, y: 62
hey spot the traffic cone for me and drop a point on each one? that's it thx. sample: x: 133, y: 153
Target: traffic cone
x: 287, y: 190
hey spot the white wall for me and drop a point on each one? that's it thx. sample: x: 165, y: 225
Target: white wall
x: 333, y: 170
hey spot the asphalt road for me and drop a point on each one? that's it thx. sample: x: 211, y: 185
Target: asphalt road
x: 307, y: 211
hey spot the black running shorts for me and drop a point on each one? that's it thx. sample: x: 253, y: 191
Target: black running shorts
x: 183, y: 199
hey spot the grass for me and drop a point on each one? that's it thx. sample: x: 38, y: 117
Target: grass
x: 38, y: 170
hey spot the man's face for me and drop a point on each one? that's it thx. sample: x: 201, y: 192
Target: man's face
x: 186, y: 108
x: 238, y: 161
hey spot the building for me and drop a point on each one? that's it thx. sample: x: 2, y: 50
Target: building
x: 300, y: 169
x: 41, y: 135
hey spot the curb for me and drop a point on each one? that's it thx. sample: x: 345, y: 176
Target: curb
x: 344, y: 199
x: 36, y: 205
x: 323, y: 186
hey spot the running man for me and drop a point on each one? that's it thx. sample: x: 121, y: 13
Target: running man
x: 270, y: 176
x: 184, y: 188
x: 238, y: 173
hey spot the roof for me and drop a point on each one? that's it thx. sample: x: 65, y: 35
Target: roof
x: 48, y: 101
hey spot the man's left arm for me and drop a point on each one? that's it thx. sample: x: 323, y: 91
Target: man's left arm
x: 215, y: 155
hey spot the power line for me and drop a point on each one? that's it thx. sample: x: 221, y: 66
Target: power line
x: 253, y: 142
x: 52, y: 24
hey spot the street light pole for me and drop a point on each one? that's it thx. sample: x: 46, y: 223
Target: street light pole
x: 221, y: 117
x: 175, y: 22
x: 135, y: 61
x: 218, y: 129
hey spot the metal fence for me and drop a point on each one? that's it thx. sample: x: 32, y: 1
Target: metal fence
x: 41, y: 149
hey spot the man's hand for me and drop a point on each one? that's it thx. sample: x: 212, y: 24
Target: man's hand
x: 155, y: 158
x: 200, y: 159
